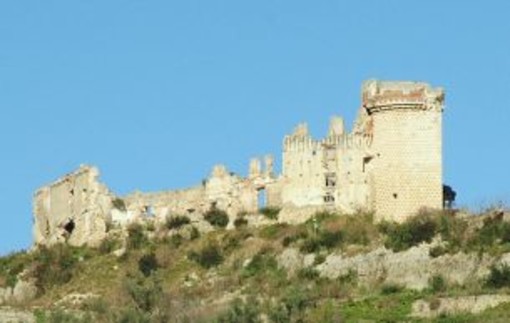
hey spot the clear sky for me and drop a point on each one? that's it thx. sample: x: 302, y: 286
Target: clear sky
x: 156, y: 92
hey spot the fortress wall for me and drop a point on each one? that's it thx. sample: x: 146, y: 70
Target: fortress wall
x: 408, y: 174
x: 407, y: 148
x: 73, y: 209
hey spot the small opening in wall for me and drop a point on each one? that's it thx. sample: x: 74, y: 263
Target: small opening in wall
x: 395, y: 195
x: 262, y: 198
x: 69, y: 226
x: 330, y: 180
x: 329, y: 199
x: 149, y: 211
x: 314, y: 153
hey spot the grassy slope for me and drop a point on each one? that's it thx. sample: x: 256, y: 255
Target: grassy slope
x: 187, y: 288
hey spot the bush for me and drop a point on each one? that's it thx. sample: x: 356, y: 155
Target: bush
x: 175, y: 222
x: 499, y: 277
x: 54, y: 266
x: 412, y: 232
x: 273, y: 231
x: 437, y: 251
x: 437, y: 283
x: 147, y: 264
x: 176, y: 240
x: 194, y: 234
x: 325, y: 239
x: 108, y: 245
x: 12, y: 265
x: 260, y: 263
x: 136, y: 236
x: 216, y: 217
x: 391, y: 289
x: 308, y: 273
x: 241, y: 311
x: 207, y: 257
x: 119, y: 204
x: 146, y: 293
x: 240, y: 222
x: 270, y: 212
x: 494, y: 230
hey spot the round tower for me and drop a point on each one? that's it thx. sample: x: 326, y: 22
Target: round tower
x: 404, y: 121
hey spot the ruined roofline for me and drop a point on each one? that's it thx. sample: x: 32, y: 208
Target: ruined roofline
x: 83, y: 168
x: 387, y: 95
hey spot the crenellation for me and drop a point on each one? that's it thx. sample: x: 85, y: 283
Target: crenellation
x: 390, y: 163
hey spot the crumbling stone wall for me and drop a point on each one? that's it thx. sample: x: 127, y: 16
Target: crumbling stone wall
x: 390, y: 163
x: 74, y: 209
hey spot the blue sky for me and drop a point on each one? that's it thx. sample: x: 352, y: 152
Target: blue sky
x: 156, y: 92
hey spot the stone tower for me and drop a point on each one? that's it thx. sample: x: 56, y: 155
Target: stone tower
x: 403, y: 120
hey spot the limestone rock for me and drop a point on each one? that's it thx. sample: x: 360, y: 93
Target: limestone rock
x: 10, y: 315
x: 455, y: 305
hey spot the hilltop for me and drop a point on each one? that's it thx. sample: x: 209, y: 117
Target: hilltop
x: 332, y: 268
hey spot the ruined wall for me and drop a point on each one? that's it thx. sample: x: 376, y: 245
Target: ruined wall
x: 407, y: 163
x: 73, y: 209
x: 390, y: 163
x: 327, y: 172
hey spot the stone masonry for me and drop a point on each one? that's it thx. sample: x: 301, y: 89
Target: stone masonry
x: 390, y: 164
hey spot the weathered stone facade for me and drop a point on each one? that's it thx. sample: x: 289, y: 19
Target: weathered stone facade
x: 390, y: 163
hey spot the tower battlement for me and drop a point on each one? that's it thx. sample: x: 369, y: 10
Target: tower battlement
x: 383, y: 95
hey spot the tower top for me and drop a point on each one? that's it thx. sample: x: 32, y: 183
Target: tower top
x: 389, y: 95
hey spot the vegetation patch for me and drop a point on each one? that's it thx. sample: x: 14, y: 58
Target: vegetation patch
x: 216, y: 217
x: 207, y: 257
x: 177, y: 221
x: 136, y: 237
x: 148, y: 264
x: 270, y: 212
x: 499, y: 277
x: 240, y: 222
x: 415, y: 230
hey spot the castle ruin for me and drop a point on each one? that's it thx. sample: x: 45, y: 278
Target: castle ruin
x: 389, y: 164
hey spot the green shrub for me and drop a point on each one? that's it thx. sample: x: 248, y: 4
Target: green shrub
x: 176, y: 240
x: 437, y: 283
x: 54, y: 266
x: 499, y: 277
x: 290, y: 239
x: 208, y: 257
x: 108, y: 245
x: 453, y: 231
x: 119, y: 204
x: 240, y: 222
x: 437, y: 251
x: 270, y: 212
x: 325, y: 239
x: 418, y: 229
x: 233, y: 239
x: 391, y: 289
x: 259, y: 264
x: 12, y: 265
x: 494, y: 230
x: 175, y: 222
x: 136, y: 236
x: 273, y: 231
x: 145, y: 293
x: 194, y: 233
x: 216, y: 217
x: 308, y: 273
x: 241, y: 311
x: 147, y: 264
